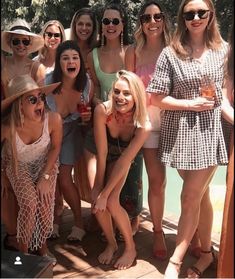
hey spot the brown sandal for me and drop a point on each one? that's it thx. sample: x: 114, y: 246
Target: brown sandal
x: 213, y: 264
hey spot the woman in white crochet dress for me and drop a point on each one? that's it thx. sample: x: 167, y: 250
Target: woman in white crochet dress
x: 32, y: 140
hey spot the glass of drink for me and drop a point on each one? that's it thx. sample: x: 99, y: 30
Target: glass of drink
x: 207, y: 88
x: 82, y: 106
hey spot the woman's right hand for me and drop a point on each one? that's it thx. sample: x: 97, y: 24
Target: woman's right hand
x: 200, y: 104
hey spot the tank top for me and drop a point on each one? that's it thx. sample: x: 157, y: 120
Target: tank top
x: 105, y: 79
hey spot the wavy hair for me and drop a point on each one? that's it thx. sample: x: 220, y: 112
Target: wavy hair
x: 213, y: 38
x: 229, y: 65
x: 92, y: 40
x: 43, y: 51
x: 81, y: 78
x: 137, y: 90
x: 139, y: 35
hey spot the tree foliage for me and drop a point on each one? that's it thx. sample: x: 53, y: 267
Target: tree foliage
x: 37, y: 12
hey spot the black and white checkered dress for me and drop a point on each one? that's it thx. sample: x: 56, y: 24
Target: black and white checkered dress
x: 190, y: 140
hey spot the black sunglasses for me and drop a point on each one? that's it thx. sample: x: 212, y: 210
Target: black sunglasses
x: 190, y: 15
x: 16, y: 42
x: 146, y: 18
x: 50, y: 35
x: 107, y: 21
x: 34, y: 100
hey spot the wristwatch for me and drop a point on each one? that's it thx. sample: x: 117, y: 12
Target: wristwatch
x: 46, y: 176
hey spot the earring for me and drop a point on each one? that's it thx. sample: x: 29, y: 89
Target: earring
x: 102, y: 39
x: 121, y: 39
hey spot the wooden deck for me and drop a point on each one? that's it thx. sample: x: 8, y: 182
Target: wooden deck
x: 81, y: 262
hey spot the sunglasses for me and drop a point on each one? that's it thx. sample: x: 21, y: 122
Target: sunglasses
x: 16, y: 42
x: 190, y: 15
x: 146, y: 18
x: 50, y: 35
x: 107, y: 21
x: 33, y: 100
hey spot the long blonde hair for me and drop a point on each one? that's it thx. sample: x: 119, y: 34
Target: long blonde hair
x: 137, y: 90
x: 213, y: 38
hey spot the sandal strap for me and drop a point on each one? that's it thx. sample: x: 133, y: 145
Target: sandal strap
x: 196, y: 270
x: 175, y: 263
x: 209, y: 251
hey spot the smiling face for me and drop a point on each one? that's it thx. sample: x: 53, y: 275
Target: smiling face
x: 112, y: 31
x: 198, y: 15
x: 84, y: 27
x: 32, y: 105
x: 20, y: 44
x: 123, y: 100
x: 153, y: 27
x: 70, y: 63
x: 52, y: 37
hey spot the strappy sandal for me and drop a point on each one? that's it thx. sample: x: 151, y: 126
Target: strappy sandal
x: 213, y: 264
x: 55, y: 233
x: 6, y: 244
x: 160, y: 254
x: 76, y: 234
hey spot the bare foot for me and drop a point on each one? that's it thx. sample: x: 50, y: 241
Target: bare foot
x: 107, y: 255
x: 126, y: 260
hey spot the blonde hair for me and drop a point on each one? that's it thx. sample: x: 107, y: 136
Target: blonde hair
x: 213, y: 38
x: 15, y: 121
x: 137, y: 90
x: 139, y: 35
x: 43, y: 51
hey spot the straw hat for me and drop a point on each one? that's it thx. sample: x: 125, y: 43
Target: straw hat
x: 21, y: 27
x: 21, y: 85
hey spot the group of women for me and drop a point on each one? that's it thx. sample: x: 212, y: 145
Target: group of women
x: 114, y: 104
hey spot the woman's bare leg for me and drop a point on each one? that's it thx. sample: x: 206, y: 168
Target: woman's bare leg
x: 194, y: 187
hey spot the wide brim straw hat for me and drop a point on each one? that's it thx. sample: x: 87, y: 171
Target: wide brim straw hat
x: 21, y: 27
x: 21, y: 85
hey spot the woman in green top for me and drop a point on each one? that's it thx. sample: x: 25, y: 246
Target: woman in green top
x: 114, y: 42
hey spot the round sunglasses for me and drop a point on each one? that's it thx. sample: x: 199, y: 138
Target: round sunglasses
x: 146, y: 18
x: 50, y: 35
x: 107, y: 21
x: 33, y: 100
x: 190, y: 15
x: 16, y: 42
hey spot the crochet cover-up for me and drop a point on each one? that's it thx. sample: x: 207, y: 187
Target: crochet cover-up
x: 35, y: 219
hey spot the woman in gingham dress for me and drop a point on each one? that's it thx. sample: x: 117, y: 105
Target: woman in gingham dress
x: 191, y: 137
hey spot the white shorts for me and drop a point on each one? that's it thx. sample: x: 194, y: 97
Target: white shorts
x: 153, y: 140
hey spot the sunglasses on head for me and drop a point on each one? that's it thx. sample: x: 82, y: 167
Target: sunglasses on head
x: 50, y: 35
x: 190, y: 15
x: 33, y: 100
x: 146, y: 18
x: 107, y: 21
x: 16, y: 42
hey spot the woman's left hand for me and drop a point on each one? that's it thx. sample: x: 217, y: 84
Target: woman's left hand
x: 43, y: 188
x: 100, y: 204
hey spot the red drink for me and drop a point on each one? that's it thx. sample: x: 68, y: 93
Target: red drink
x: 82, y: 108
